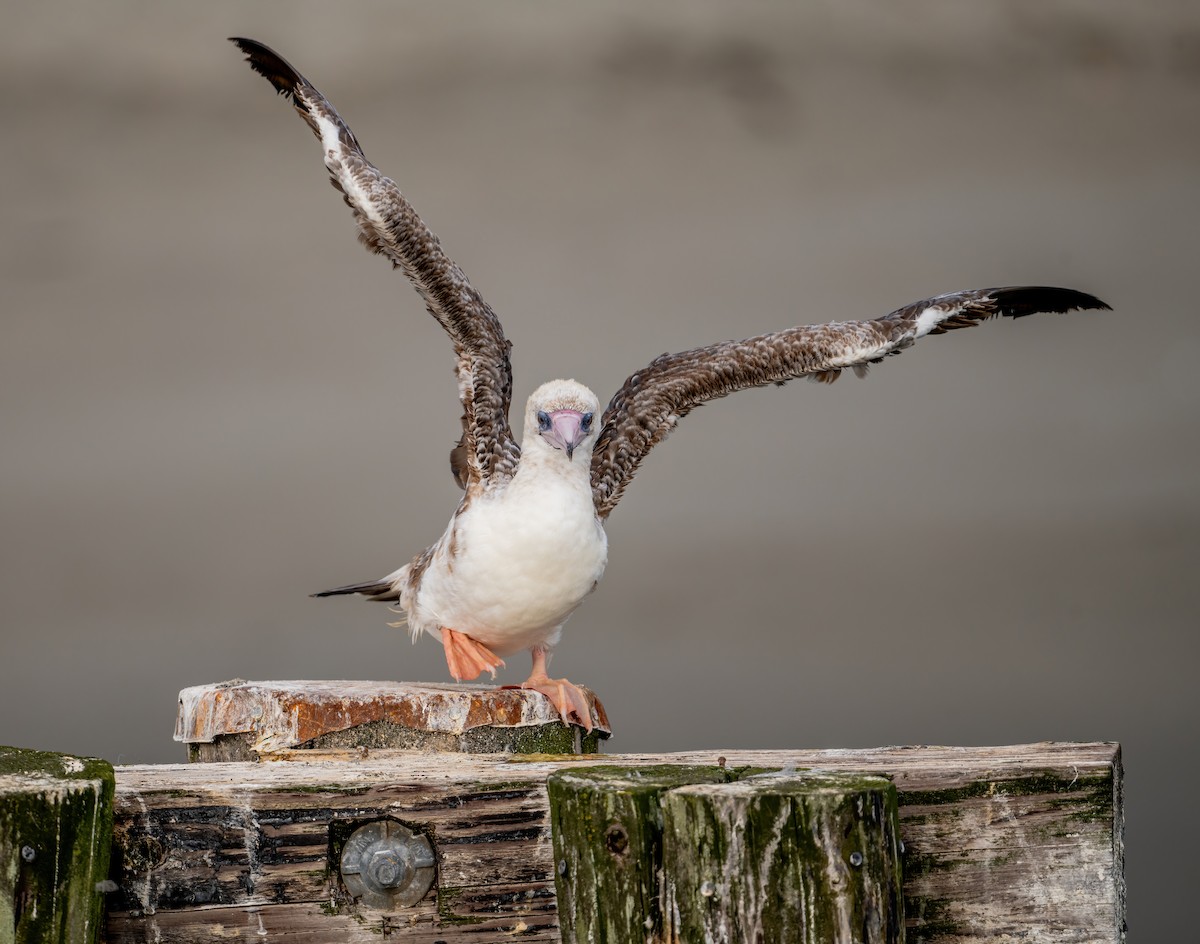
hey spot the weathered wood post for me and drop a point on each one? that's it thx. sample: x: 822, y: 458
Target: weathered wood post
x: 240, y: 720
x: 56, y: 815
x: 810, y: 858
x: 607, y: 827
x: 682, y: 854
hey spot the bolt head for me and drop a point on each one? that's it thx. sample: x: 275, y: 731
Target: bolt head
x: 387, y: 868
x: 384, y: 864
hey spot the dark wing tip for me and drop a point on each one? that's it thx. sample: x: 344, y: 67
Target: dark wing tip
x: 272, y: 66
x: 1018, y: 301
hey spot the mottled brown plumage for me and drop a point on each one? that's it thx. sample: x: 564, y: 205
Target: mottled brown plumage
x: 388, y: 225
x: 653, y: 400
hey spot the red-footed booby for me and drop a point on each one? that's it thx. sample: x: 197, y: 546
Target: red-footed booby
x: 526, y: 543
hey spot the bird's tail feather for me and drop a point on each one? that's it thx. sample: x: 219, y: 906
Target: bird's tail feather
x: 382, y: 590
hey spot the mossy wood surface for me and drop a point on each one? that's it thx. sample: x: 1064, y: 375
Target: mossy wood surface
x: 607, y: 828
x: 683, y: 853
x: 55, y: 838
x: 797, y: 858
x: 1008, y: 844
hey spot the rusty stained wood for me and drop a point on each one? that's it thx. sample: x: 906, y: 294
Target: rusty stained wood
x: 1003, y: 844
x: 240, y: 720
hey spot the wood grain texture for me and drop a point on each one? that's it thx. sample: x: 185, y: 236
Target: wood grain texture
x: 1003, y: 844
x: 797, y: 858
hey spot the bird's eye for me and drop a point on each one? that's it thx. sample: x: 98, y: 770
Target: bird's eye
x: 586, y: 423
x: 543, y: 420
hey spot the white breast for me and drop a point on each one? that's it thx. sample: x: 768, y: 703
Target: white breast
x: 515, y: 564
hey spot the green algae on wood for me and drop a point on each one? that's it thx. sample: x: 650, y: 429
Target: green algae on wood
x: 607, y: 827
x: 785, y: 858
x: 56, y: 814
x: 555, y: 738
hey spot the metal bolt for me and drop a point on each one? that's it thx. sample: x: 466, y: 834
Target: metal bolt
x: 708, y: 889
x: 562, y: 866
x: 388, y: 868
x: 386, y: 864
x: 856, y: 859
x: 28, y: 853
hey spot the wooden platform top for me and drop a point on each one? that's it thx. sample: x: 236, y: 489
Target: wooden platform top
x: 286, y: 714
x: 912, y: 768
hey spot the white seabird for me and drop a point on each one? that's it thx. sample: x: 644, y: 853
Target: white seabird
x: 526, y: 543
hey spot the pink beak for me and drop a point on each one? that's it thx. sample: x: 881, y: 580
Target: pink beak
x: 566, y: 431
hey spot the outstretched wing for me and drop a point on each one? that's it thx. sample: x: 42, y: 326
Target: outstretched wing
x: 653, y: 400
x: 387, y: 223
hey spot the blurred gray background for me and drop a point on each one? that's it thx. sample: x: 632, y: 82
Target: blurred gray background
x: 213, y: 402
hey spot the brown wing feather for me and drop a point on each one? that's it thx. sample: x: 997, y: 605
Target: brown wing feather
x: 653, y: 400
x: 388, y: 225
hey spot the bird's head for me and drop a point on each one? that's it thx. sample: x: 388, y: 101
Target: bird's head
x: 563, y: 415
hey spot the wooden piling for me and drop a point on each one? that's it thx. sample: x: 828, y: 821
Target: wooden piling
x: 607, y: 829
x: 56, y: 814
x: 792, y: 858
x: 684, y: 853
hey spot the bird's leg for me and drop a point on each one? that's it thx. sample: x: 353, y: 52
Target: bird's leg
x: 566, y: 697
x: 467, y: 657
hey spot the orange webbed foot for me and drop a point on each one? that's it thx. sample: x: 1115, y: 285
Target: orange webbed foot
x: 567, y: 697
x: 467, y: 658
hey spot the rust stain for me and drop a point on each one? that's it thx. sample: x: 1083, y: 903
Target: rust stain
x: 291, y: 713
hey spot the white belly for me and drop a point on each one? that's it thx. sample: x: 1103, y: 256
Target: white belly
x: 517, y: 566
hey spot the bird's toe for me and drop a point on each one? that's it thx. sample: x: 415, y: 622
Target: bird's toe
x: 568, y: 699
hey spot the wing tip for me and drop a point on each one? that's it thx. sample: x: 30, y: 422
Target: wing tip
x: 1021, y: 300
x: 271, y: 66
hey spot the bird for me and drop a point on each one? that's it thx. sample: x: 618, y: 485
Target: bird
x: 526, y: 543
